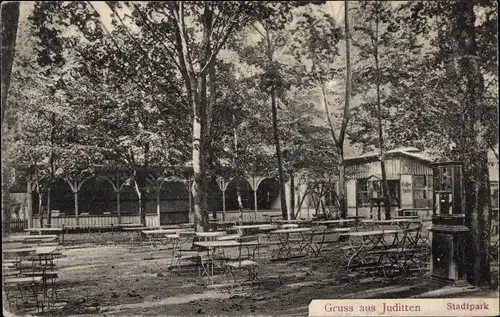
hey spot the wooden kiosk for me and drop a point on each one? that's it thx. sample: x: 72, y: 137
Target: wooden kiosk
x: 448, y: 229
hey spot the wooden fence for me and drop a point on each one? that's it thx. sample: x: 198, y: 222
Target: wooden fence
x: 18, y: 224
x: 69, y: 221
x: 248, y: 215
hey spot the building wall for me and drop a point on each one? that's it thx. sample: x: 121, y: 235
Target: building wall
x: 411, y: 166
x: 351, y: 197
x: 402, y: 168
x: 493, y: 171
x: 406, y: 191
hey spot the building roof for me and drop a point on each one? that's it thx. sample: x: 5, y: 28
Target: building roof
x: 405, y: 151
x: 411, y: 152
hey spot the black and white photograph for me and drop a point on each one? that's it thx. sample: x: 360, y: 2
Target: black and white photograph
x: 245, y: 158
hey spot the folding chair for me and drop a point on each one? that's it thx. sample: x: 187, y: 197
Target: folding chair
x: 206, y: 266
x: 424, y: 243
x: 186, y: 237
x: 401, y: 255
x: 244, y: 263
x: 23, y: 289
x: 183, y: 254
x: 316, y: 239
x: 365, y: 225
x: 320, y: 239
x: 46, y: 268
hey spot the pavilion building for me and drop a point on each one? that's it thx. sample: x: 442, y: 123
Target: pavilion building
x: 108, y: 197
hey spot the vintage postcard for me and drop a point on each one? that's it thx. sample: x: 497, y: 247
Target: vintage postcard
x: 250, y: 158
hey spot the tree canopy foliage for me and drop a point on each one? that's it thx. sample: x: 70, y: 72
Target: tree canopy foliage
x: 168, y: 84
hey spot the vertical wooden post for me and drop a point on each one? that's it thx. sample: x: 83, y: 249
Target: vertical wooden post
x: 158, y: 211
x: 223, y: 205
x: 75, y: 192
x: 49, y: 209
x: 118, y: 206
x: 118, y: 190
x: 74, y: 187
x: 190, y: 197
x: 29, y: 191
x: 255, y: 202
x: 40, y: 206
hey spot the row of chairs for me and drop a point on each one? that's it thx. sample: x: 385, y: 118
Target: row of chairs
x: 223, y: 264
x: 31, y: 280
x: 400, y: 256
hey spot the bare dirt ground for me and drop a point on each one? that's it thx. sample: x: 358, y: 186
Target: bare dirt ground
x: 100, y: 275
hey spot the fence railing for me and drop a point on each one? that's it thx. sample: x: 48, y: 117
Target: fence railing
x: 18, y: 224
x: 69, y: 221
x: 248, y: 215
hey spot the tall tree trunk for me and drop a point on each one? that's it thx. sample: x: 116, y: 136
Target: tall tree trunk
x: 143, y: 208
x: 477, y: 220
x: 40, y: 206
x: 237, y: 168
x: 474, y: 149
x: 9, y: 22
x: 49, y: 209
x: 213, y: 180
x: 292, y: 194
x: 281, y: 174
x: 240, y: 203
x: 276, y: 136
x: 51, y: 165
x: 342, y: 191
x: 211, y: 105
x: 139, y: 189
x: 6, y: 201
x: 139, y: 200
x: 199, y: 199
x: 196, y: 90
x: 385, y: 188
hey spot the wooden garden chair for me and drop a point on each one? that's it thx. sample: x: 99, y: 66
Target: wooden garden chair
x: 244, y: 263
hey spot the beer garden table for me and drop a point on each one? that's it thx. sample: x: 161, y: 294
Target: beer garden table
x: 211, y: 235
x: 262, y: 229
x: 32, y: 279
x: 361, y: 242
x: 212, y: 246
x: 334, y: 222
x: 300, y: 223
x: 139, y: 232
x: 156, y: 235
x: 357, y: 219
x: 42, y: 231
x: 320, y: 237
x: 138, y: 229
x: 18, y: 252
x: 220, y: 224
x: 30, y: 239
x: 403, y: 224
x: 286, y: 244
